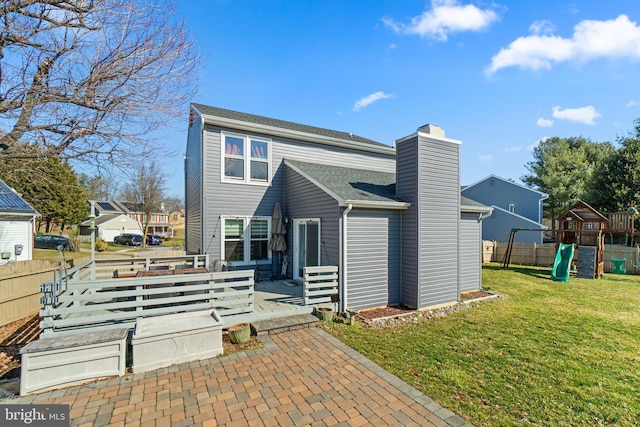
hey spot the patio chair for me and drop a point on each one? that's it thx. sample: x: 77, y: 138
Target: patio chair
x: 263, y: 271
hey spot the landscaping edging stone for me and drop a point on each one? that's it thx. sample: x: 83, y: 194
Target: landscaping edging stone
x: 421, y: 315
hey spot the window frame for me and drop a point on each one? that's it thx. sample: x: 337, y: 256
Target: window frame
x: 246, y: 227
x: 246, y: 158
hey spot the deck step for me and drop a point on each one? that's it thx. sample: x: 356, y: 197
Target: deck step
x: 284, y: 324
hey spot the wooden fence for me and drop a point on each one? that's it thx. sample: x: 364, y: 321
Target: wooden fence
x: 111, y: 294
x: 320, y: 283
x: 20, y: 288
x: 544, y: 255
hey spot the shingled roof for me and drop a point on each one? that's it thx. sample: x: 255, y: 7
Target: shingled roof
x: 266, y: 121
x: 11, y: 202
x: 351, y: 185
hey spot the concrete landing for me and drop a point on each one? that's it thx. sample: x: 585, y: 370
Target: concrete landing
x: 284, y: 324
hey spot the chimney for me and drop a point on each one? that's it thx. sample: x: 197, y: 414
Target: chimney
x: 432, y: 129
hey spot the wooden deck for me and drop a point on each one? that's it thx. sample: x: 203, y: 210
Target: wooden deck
x: 273, y: 300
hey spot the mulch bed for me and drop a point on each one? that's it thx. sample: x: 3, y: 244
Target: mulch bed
x: 13, y: 337
x: 377, y: 313
x: 230, y: 348
x: 402, y: 315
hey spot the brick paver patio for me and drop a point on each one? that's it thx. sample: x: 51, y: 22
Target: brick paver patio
x: 302, y: 377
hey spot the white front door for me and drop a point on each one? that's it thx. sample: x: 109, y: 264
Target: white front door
x: 306, y: 245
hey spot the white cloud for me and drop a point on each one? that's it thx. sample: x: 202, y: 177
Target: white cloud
x: 632, y: 103
x: 544, y: 123
x: 612, y: 39
x: 541, y: 27
x: 485, y: 158
x: 585, y: 115
x: 445, y: 17
x: 368, y: 100
x: 513, y: 149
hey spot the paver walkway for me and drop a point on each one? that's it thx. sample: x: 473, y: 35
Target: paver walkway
x: 301, y: 377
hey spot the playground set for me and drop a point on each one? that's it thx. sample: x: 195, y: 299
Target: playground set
x: 582, y: 230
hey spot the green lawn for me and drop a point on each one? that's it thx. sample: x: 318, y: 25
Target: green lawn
x: 548, y: 354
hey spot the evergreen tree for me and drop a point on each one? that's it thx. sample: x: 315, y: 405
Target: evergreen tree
x: 615, y: 186
x: 563, y: 168
x: 50, y: 186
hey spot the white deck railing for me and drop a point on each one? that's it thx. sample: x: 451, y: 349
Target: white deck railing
x: 320, y: 283
x: 75, y: 302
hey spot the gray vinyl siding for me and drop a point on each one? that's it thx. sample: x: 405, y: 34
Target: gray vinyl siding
x: 373, y: 258
x: 470, y: 252
x: 498, y: 226
x: 305, y: 200
x: 494, y: 191
x: 222, y: 198
x: 193, y: 189
x: 439, y: 212
x: 407, y: 189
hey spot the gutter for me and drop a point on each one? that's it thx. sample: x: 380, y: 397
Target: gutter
x: 343, y: 259
x: 486, y: 215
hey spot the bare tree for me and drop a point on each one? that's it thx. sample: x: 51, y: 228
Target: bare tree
x: 146, y: 191
x: 173, y: 203
x: 90, y: 79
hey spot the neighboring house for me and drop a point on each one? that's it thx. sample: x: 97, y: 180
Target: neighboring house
x: 116, y: 217
x: 514, y: 206
x: 17, y: 226
x: 392, y: 220
x: 176, y: 219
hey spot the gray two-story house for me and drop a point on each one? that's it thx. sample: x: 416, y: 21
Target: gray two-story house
x: 391, y: 219
x: 514, y: 206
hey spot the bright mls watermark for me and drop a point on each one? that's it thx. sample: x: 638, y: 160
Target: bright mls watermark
x: 34, y: 415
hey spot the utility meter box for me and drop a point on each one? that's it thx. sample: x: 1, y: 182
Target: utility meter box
x: 18, y: 249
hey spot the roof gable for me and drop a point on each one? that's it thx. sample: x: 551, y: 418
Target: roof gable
x: 523, y: 218
x: 515, y: 184
x: 358, y: 187
x: 583, y: 212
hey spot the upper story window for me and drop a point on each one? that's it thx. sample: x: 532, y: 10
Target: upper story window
x: 246, y: 159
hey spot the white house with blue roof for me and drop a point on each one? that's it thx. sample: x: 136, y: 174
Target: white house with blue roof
x: 17, y: 226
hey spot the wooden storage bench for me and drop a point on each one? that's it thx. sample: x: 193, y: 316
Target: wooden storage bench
x: 61, y: 361
x: 175, y: 338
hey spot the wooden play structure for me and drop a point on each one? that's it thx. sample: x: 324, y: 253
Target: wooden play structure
x: 584, y: 227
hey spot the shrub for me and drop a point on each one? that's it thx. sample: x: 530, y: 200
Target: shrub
x: 101, y: 245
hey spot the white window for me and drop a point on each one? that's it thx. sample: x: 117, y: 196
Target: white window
x: 245, y: 240
x: 246, y: 159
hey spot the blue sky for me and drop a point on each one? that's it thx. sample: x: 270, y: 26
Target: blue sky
x: 497, y: 75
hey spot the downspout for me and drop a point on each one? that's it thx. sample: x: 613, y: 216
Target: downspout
x: 343, y: 259
x: 484, y: 216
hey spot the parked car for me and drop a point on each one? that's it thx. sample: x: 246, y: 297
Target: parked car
x: 128, y: 239
x: 50, y: 241
x: 153, y: 240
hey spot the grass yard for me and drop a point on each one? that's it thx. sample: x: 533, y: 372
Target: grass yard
x: 564, y: 354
